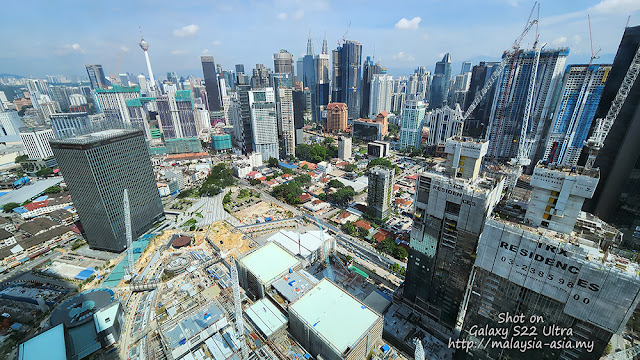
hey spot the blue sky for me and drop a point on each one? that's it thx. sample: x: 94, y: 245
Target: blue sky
x: 59, y: 37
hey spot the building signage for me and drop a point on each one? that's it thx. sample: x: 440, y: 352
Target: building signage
x: 591, y: 291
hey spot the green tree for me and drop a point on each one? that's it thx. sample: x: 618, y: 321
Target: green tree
x: 227, y: 198
x: 384, y: 163
x: 363, y: 233
x: 303, y: 151
x: 350, y: 168
x: 273, y: 162
x: 45, y: 171
x: 400, y: 253
x: 21, y: 158
x: 333, y: 183
x: 343, y: 196
x: 305, y: 167
x: 289, y: 192
x: 349, y: 259
x: 287, y: 171
x: 51, y: 190
x: 303, y: 179
x: 328, y: 141
x: 9, y: 206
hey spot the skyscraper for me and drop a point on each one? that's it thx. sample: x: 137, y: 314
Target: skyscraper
x: 96, y: 76
x: 283, y: 63
x: 322, y: 78
x: 211, y: 83
x: 260, y: 78
x: 443, y: 123
x: 36, y: 142
x: 344, y: 147
x: 264, y: 122
x: 286, y: 121
x: 582, y: 87
x: 450, y: 209
x: 412, y: 118
x: 380, y: 192
x: 440, y: 82
x: 466, y: 67
x: 510, y: 100
x: 369, y: 69
x: 176, y: 115
x: 10, y: 123
x: 113, y: 103
x: 347, y: 60
x: 97, y: 168
x: 309, y: 76
x: 71, y: 124
x: 617, y: 198
x: 246, y: 122
x: 380, y: 94
x: 479, y: 118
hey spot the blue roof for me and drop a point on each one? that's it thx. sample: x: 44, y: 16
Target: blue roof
x: 48, y: 345
x: 288, y: 166
x: 20, y: 210
x: 41, y: 198
x: 3, y: 192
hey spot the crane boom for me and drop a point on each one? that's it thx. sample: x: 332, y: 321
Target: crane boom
x: 327, y: 262
x: 494, y: 75
x: 603, y: 126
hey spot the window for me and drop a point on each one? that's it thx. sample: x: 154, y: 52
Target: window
x: 452, y: 208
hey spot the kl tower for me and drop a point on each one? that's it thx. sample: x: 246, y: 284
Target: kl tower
x: 145, y: 46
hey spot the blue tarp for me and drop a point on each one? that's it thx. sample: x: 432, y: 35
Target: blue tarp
x: 385, y: 347
x: 41, y: 198
x: 84, y: 274
x: 20, y: 210
x: 286, y: 165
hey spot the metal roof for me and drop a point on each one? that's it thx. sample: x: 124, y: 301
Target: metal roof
x: 266, y: 317
x: 269, y: 261
x: 48, y: 345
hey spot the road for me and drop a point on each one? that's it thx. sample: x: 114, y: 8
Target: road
x: 31, y: 264
x: 344, y: 240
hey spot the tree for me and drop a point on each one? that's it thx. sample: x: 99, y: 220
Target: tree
x: 328, y: 141
x: 333, y: 183
x: 287, y: 171
x: 273, y: 162
x: 400, y: 253
x: 349, y: 259
x: 350, y: 168
x: 51, y: 190
x: 254, y: 182
x: 45, y: 171
x: 384, y: 163
x: 363, y: 233
x: 303, y: 179
x: 305, y: 167
x: 9, y: 206
x: 21, y: 158
x: 289, y: 192
x: 343, y: 196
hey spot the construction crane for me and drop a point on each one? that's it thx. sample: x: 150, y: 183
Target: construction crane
x: 325, y: 251
x: 237, y: 307
x: 340, y: 43
x: 603, y: 126
x: 114, y: 77
x: 508, y: 56
x: 589, y: 77
x: 129, y: 234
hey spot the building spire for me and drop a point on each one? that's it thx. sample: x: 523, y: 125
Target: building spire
x: 325, y: 44
x: 310, y: 45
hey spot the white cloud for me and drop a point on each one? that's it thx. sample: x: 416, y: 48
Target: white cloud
x: 205, y: 51
x: 559, y: 41
x: 282, y: 16
x: 405, y: 24
x: 298, y: 14
x: 617, y: 6
x: 216, y: 43
x: 69, y: 48
x: 179, y: 52
x: 124, y: 48
x: 186, y: 31
x: 403, y: 56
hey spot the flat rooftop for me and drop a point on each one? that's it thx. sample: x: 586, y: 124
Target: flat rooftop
x: 266, y: 317
x: 337, y: 316
x: 268, y: 262
x: 28, y: 192
x: 309, y: 241
x: 292, y: 286
x: 48, y: 345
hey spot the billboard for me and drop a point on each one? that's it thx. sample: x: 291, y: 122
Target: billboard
x: 602, y: 293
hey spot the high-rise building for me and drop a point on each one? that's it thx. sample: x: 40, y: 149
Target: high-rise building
x: 239, y: 69
x: 113, y: 102
x: 450, y: 208
x: 264, y: 122
x: 309, y: 76
x: 479, y: 118
x: 510, y: 100
x: 96, y: 76
x: 286, y: 121
x: 412, y: 118
x: 36, y: 141
x: 142, y: 81
x: 344, y: 147
x: 616, y: 199
x: 246, y: 123
x: 171, y: 77
x: 98, y: 167
x: 323, y: 93
x: 440, y: 82
x: 10, y: 123
x: 443, y: 123
x: 211, y: 83
x: 582, y: 87
x: 337, y: 117
x: 380, y: 192
x: 466, y: 67
x: 152, y: 81
x: 176, y: 115
x: 283, y: 63
x: 260, y: 78
x: 39, y: 93
x: 380, y: 93
x: 347, y: 60
x: 369, y: 69
x: 71, y: 124
x: 564, y: 276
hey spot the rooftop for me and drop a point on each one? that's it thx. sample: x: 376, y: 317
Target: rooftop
x: 48, y: 345
x: 292, y: 286
x: 28, y: 192
x: 266, y: 317
x: 335, y: 315
x: 104, y: 318
x: 94, y: 137
x: 268, y: 262
x: 299, y: 243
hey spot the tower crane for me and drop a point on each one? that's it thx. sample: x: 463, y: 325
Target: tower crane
x: 325, y: 251
x: 129, y: 234
x: 114, y: 77
x: 602, y: 127
x: 344, y: 35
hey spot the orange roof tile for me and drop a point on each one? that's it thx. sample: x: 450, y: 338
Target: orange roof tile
x: 362, y: 224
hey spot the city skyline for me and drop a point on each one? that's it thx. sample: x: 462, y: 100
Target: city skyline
x: 407, y: 36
